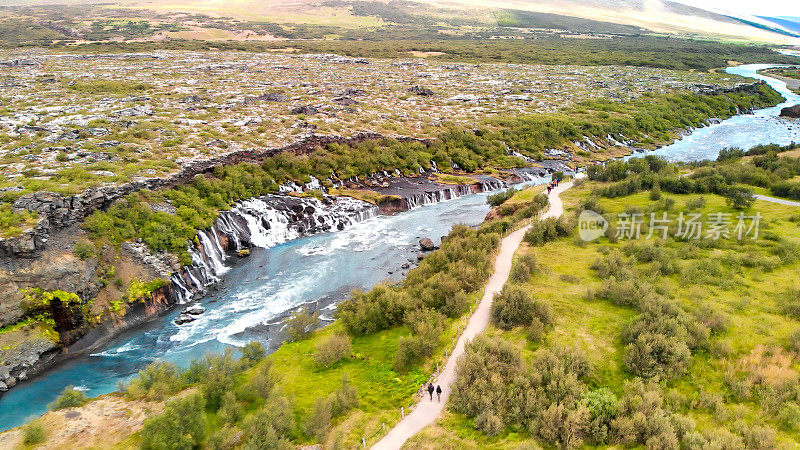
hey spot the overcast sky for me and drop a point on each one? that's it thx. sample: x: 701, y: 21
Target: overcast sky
x: 751, y: 7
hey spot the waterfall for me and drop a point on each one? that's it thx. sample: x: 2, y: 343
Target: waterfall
x: 484, y: 184
x: 262, y: 222
x: 212, y: 251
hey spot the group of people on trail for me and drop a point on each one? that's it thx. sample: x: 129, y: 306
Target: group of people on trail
x: 438, y: 391
x: 552, y: 185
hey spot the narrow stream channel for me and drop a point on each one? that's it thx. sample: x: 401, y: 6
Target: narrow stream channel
x: 327, y: 267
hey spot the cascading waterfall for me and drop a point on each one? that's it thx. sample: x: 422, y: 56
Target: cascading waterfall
x: 274, y: 219
x: 449, y: 193
x: 262, y: 222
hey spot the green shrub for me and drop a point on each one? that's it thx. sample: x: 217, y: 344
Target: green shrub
x: 786, y: 189
x: 158, y: 380
x: 523, y: 268
x: 789, y: 417
x: 33, y: 433
x: 739, y: 197
x: 489, y: 423
x: 789, y: 303
x: 543, y: 231
x: 231, y: 410
x: 215, y: 385
x: 758, y: 437
x: 653, y: 354
x: 499, y: 389
x: 514, y: 306
x: 457, y: 304
x: 301, y: 324
x: 427, y: 326
x: 500, y: 197
x: 642, y: 418
x: 269, y: 426
x: 84, y: 250
x: 262, y: 382
x: 378, y: 309
x: 332, y: 349
x: 252, y: 353
x: 655, y: 193
x: 602, y: 406
x: 182, y: 425
x: 660, y: 340
x: 345, y: 398
x: 613, y: 265
x: 69, y: 398
x: 535, y: 331
x: 319, y: 420
x: 695, y: 203
x: 226, y: 438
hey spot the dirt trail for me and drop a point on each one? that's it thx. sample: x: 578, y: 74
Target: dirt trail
x: 426, y: 411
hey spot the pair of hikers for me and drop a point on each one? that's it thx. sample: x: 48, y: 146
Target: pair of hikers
x: 438, y: 391
x: 551, y: 185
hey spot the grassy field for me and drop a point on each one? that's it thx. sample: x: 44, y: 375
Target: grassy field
x: 747, y: 295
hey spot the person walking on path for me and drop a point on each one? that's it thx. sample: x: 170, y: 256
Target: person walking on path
x: 430, y: 390
x: 439, y: 392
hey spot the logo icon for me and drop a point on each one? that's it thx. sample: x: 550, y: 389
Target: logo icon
x: 591, y: 225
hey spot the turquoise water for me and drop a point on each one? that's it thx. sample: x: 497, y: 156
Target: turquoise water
x: 744, y: 131
x: 327, y: 266
x: 271, y: 281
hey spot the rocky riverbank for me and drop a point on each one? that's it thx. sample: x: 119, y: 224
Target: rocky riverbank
x: 57, y: 212
x: 257, y: 222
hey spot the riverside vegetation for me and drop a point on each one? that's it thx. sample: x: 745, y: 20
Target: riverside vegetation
x: 334, y: 385
x: 666, y: 343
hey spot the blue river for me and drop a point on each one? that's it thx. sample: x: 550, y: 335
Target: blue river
x: 328, y: 266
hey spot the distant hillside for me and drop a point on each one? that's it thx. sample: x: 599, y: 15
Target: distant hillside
x: 240, y: 20
x: 654, y: 15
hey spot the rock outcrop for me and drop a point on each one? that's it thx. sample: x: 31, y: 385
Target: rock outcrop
x: 426, y: 244
x: 57, y: 211
x: 791, y: 111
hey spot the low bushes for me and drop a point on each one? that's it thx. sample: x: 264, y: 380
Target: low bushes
x: 332, y: 349
x: 157, y: 381
x: 659, y: 342
x: 547, y: 230
x: 181, y: 425
x: 242, y: 409
x: 33, y: 433
x: 515, y: 306
x: 368, y: 312
x: 427, y: 325
x: 499, y: 389
x: 524, y: 267
x: 500, y: 197
x: 337, y: 403
x: 301, y: 324
x: 70, y: 398
x: 786, y: 189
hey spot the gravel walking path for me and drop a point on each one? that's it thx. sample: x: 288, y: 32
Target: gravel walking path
x: 426, y: 411
x: 776, y: 200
